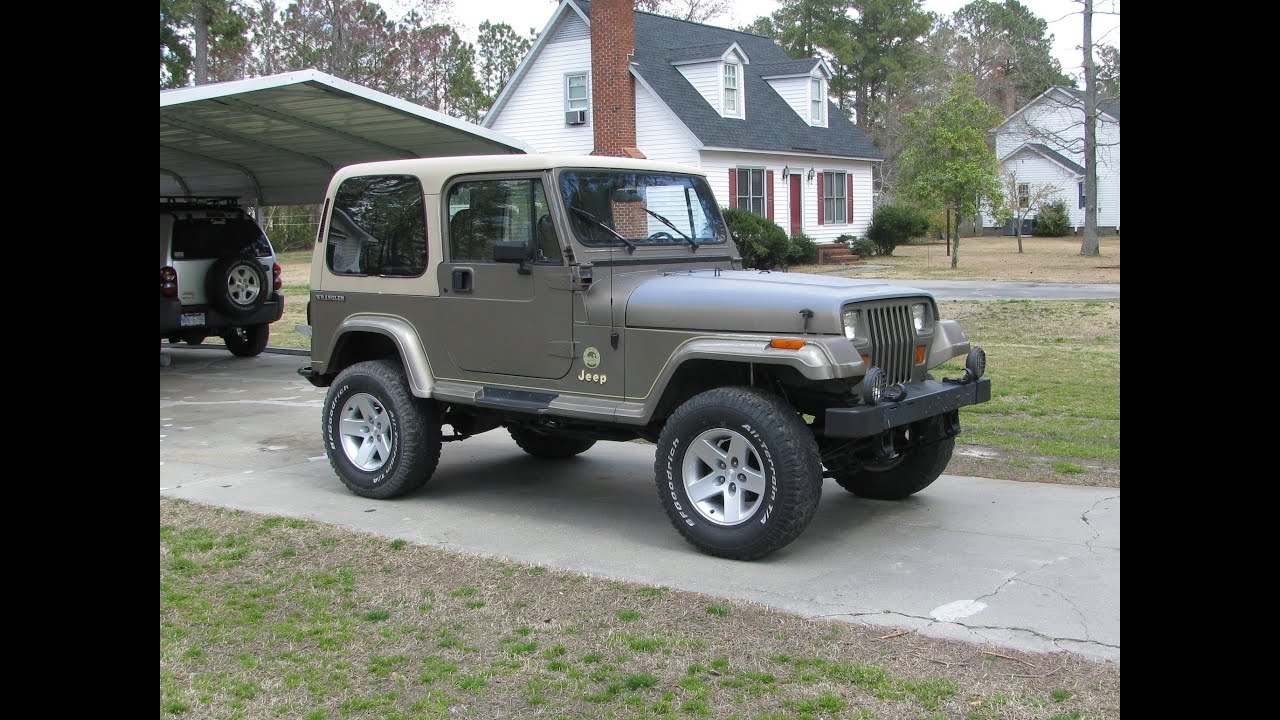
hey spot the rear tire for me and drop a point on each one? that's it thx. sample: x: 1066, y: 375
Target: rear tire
x: 555, y: 447
x: 237, y: 285
x: 908, y: 474
x: 738, y: 472
x: 381, y: 440
x: 251, y: 344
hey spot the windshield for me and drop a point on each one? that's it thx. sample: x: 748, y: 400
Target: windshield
x: 640, y: 208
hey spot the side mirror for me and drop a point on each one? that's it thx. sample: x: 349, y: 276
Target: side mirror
x: 510, y: 251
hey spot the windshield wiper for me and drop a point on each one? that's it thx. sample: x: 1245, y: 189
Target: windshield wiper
x: 667, y: 222
x: 631, y: 247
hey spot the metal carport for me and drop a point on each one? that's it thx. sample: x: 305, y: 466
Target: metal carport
x: 277, y: 140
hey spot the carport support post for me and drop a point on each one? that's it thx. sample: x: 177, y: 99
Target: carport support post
x: 257, y: 211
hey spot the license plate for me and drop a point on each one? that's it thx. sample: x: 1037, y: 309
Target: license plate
x: 192, y: 319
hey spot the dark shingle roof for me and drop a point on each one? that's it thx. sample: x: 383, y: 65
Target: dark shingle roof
x: 700, y: 52
x: 790, y: 67
x: 1110, y: 106
x: 770, y: 123
x: 1057, y: 157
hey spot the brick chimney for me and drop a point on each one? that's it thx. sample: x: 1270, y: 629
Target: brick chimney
x: 613, y: 91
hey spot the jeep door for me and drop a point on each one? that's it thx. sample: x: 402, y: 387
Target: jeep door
x: 505, y: 292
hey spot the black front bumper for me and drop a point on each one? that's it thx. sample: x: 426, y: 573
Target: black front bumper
x: 926, y: 399
x: 171, y: 311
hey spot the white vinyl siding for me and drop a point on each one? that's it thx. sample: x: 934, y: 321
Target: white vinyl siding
x: 705, y: 77
x: 659, y: 135
x: 1052, y: 122
x: 1035, y: 169
x: 535, y: 110
x: 716, y: 165
x: 795, y: 91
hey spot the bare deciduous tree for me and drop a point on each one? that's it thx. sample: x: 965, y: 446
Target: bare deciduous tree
x: 698, y: 11
x: 1023, y: 198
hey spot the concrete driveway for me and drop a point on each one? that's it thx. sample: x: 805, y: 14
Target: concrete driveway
x: 1026, y: 565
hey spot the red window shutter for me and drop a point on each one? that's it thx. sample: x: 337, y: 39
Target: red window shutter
x: 768, y: 194
x: 733, y: 188
x: 849, y: 216
x: 818, y: 194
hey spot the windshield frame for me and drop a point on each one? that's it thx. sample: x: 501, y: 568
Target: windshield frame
x: 697, y: 183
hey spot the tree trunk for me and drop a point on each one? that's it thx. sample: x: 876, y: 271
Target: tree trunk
x: 201, y: 23
x: 1089, y: 246
x: 955, y: 251
x: 1017, y: 230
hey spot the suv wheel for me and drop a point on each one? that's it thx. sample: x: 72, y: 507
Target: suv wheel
x: 381, y: 440
x: 549, y: 446
x: 237, y: 285
x: 900, y: 476
x: 248, y: 341
x: 738, y: 472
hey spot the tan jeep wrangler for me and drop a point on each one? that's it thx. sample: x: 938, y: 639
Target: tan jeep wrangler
x: 575, y: 299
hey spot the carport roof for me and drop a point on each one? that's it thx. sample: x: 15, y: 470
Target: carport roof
x: 277, y: 140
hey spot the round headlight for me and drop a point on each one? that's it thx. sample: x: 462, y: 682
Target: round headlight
x: 922, y: 317
x: 852, y: 321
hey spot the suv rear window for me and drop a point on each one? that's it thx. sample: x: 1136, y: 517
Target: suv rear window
x: 212, y: 238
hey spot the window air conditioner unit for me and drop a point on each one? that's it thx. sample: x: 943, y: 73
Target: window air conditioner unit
x: 575, y: 117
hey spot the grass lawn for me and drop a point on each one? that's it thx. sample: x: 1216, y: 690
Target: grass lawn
x: 264, y: 617
x: 995, y: 258
x: 1054, y: 365
x: 1054, y: 414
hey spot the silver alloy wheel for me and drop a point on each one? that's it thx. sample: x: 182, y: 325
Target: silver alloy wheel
x: 365, y: 429
x: 242, y: 285
x: 723, y: 476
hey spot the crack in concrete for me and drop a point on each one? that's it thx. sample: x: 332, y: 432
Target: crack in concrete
x: 1084, y: 623
x: 1084, y: 518
x: 930, y: 622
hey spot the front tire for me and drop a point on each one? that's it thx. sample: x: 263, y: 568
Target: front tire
x: 251, y: 343
x: 738, y: 472
x: 901, y: 477
x: 556, y: 447
x: 381, y: 440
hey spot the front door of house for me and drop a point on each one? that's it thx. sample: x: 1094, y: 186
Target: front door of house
x: 796, y: 205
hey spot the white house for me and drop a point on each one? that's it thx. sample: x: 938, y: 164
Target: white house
x: 607, y: 80
x: 1044, y: 143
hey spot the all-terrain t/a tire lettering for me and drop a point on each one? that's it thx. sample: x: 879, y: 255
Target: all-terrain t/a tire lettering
x: 737, y: 472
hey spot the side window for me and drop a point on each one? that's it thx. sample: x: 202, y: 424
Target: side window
x: 378, y: 227
x: 483, y: 212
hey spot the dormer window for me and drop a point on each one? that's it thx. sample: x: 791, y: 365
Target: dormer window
x: 732, y: 90
x: 817, y: 102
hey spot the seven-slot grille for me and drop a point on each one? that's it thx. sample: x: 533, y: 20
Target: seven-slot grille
x: 892, y: 340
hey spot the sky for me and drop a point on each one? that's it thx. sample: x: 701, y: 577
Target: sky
x: 1063, y: 17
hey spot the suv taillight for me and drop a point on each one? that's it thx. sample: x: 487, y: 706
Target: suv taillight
x: 168, y: 282
x: 277, y: 283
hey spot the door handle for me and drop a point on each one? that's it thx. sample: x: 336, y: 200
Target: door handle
x: 462, y: 280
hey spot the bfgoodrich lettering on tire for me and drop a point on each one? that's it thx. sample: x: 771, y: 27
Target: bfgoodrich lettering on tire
x: 738, y: 472
x: 381, y: 440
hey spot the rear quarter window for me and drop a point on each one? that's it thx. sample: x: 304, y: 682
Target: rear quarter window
x: 378, y: 227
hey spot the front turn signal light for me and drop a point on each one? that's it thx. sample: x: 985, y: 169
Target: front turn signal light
x: 784, y: 344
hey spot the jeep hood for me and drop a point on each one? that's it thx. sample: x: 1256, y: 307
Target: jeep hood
x: 752, y: 301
